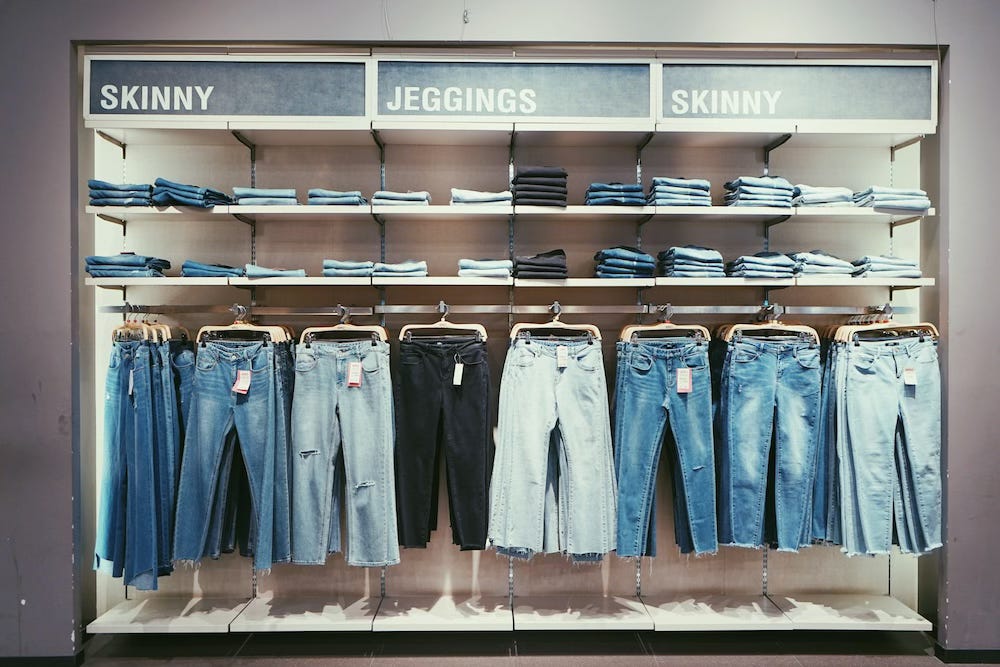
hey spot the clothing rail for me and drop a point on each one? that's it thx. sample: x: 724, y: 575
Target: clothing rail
x: 170, y: 309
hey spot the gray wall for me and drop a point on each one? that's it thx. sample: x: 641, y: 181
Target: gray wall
x: 39, y: 415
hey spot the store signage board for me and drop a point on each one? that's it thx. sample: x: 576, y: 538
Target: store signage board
x: 581, y: 91
x: 225, y: 87
x: 841, y: 91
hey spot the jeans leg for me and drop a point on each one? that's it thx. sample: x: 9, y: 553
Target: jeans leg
x: 141, y: 530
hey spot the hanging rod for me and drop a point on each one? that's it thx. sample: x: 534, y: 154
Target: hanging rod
x: 592, y: 310
x: 405, y: 310
x: 170, y: 309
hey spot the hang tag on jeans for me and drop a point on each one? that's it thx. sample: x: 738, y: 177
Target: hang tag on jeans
x: 354, y: 374
x: 910, y: 376
x: 131, y: 381
x: 456, y: 379
x: 683, y: 380
x: 562, y: 356
x: 242, y: 384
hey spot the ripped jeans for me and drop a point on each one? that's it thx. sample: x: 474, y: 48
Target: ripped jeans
x: 343, y: 401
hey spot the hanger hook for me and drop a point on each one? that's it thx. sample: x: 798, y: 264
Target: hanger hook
x: 664, y: 312
x: 345, y: 314
x: 444, y: 309
x: 240, y: 311
x: 556, y: 309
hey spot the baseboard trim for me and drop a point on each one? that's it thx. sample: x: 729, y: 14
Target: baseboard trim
x: 959, y: 656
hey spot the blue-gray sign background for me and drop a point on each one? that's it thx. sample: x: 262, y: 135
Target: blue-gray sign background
x: 619, y: 90
x: 242, y: 88
x: 868, y: 92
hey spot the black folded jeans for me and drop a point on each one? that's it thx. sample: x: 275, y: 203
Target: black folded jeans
x: 434, y: 415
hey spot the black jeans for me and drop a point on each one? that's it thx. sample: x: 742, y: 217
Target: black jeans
x: 434, y: 414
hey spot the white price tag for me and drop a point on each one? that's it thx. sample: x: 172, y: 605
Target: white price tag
x: 456, y: 379
x: 562, y: 356
x: 354, y: 374
x: 683, y: 380
x: 131, y: 381
x: 910, y: 376
x: 242, y: 384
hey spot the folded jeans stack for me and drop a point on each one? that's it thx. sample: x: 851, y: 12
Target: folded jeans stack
x: 193, y: 269
x: 885, y: 266
x: 615, y: 194
x: 540, y: 186
x: 551, y: 264
x: 103, y: 193
x: 255, y: 271
x: 759, y: 191
x: 906, y: 200
x: 485, y: 268
x: 460, y: 196
x: 336, y: 268
x: 390, y: 198
x: 690, y: 261
x: 321, y: 197
x: 819, y: 262
x: 265, y: 196
x: 762, y: 265
x: 666, y: 191
x: 170, y: 193
x: 409, y: 268
x: 125, y: 265
x: 624, y: 262
x: 809, y: 195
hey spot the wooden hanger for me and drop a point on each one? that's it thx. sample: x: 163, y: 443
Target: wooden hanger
x: 450, y: 328
x: 345, y: 329
x: 664, y: 325
x: 554, y: 325
x: 772, y: 324
x: 275, y: 333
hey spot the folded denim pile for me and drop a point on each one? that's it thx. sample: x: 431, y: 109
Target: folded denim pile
x: 193, y: 269
x: 885, y: 266
x: 615, y: 194
x: 815, y: 262
x: 762, y: 265
x: 540, y: 186
x: 103, y: 193
x: 485, y: 268
x: 255, y: 271
x: 550, y: 264
x: 906, y: 200
x: 409, y: 268
x: 265, y: 196
x: 337, y: 268
x: 666, y: 191
x: 810, y: 195
x: 391, y: 198
x: 759, y: 191
x: 690, y: 261
x: 125, y: 265
x: 624, y: 262
x: 460, y: 196
x: 321, y: 197
x: 169, y: 193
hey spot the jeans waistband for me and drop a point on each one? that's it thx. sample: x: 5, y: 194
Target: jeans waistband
x: 442, y: 348
x: 773, y: 346
x: 232, y: 350
x: 338, y: 348
x: 549, y: 348
x: 666, y: 349
x: 891, y: 348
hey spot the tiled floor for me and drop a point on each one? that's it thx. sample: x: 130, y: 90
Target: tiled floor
x: 605, y: 649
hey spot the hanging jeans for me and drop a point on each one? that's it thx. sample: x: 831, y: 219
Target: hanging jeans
x: 889, y: 443
x: 217, y: 408
x: 770, y: 390
x: 443, y: 411
x: 343, y: 402
x: 553, y: 410
x: 663, y: 383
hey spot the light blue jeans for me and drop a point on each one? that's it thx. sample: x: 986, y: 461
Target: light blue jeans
x: 329, y: 416
x: 554, y: 447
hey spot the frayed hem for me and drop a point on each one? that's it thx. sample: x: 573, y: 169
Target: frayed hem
x: 187, y: 564
x: 385, y: 563
x: 755, y: 547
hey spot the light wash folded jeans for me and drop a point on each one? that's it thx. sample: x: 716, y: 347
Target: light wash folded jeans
x: 338, y: 201
x: 320, y: 192
x: 266, y: 201
x: 774, y: 203
x: 282, y: 193
x: 820, y: 258
x: 121, y: 201
x: 399, y: 274
x: 347, y: 264
x: 460, y: 196
x: 699, y: 183
x: 254, y: 271
x: 401, y: 267
x: 757, y: 273
x: 777, y: 196
x: 803, y: 189
x: 679, y: 200
x: 485, y: 264
x: 758, y: 190
x: 346, y: 273
x: 896, y: 204
x: 694, y: 253
x: 484, y: 273
x: 193, y: 268
x: 615, y: 201
x: 884, y: 259
x: 814, y: 269
x: 883, y: 190
x: 814, y: 198
x: 760, y: 181
x: 694, y: 273
x: 421, y: 195
x: 376, y: 201
x: 768, y: 258
x: 677, y: 190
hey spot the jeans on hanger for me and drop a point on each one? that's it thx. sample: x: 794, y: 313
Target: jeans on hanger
x: 649, y: 400
x: 216, y: 409
x: 553, y: 411
x: 334, y: 410
x: 437, y: 416
x: 770, y: 388
x: 142, y: 526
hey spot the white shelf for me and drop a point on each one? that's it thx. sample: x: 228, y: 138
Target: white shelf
x: 854, y: 214
x: 301, y: 211
x: 444, y: 211
x: 306, y: 614
x: 582, y: 210
x: 850, y: 281
x: 164, y: 213
x: 849, y: 612
x: 628, y: 133
x: 725, y: 282
x: 157, y: 282
x: 443, y: 133
x: 144, y: 132
x: 169, y: 615
x: 760, y: 212
x: 552, y: 612
x: 585, y: 282
x: 307, y: 281
x: 449, y: 281
x: 715, y: 612
x: 443, y: 614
